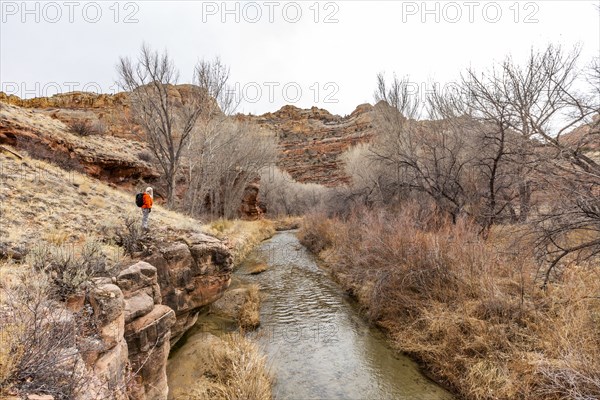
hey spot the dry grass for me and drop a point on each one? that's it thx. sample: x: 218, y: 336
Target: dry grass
x: 469, y: 309
x: 249, y: 315
x: 241, y: 304
x: 242, y: 372
x: 11, y: 353
x: 287, y: 223
x: 241, y: 236
x: 227, y: 368
x: 258, y: 269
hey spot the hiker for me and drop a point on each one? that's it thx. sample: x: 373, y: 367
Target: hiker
x: 146, y: 207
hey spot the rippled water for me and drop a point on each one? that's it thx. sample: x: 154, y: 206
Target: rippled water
x: 319, y: 345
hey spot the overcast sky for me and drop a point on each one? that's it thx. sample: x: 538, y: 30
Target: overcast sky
x: 304, y: 53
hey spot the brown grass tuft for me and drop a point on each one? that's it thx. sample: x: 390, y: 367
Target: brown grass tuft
x: 249, y: 316
x: 212, y: 368
x: 241, y: 236
x: 241, y: 372
x: 258, y: 269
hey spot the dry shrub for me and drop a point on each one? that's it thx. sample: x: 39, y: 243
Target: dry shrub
x: 86, y: 128
x: 571, y: 328
x: 40, y: 351
x: 317, y: 232
x: 470, y: 310
x: 145, y: 155
x: 68, y: 267
x: 240, y: 371
x: 130, y: 236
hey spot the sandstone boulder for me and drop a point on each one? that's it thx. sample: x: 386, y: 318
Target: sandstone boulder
x: 138, y: 305
x: 108, y: 307
x: 230, y: 304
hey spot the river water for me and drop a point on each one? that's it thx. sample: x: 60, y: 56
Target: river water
x: 318, y: 344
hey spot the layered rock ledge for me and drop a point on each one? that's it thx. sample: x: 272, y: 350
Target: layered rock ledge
x: 150, y: 304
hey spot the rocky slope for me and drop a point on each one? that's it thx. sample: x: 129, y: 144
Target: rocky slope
x: 146, y: 301
x: 108, y: 157
x: 310, y: 140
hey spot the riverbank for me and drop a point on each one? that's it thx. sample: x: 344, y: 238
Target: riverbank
x: 65, y: 258
x: 470, y: 311
x: 216, y: 359
x: 224, y: 367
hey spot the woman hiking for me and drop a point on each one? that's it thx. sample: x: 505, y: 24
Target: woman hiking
x: 146, y: 207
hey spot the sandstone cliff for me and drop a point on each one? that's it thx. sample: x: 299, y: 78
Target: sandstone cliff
x: 111, y: 158
x: 311, y: 140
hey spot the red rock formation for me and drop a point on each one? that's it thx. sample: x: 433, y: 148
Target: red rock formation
x: 251, y: 207
x: 191, y: 275
x: 311, y: 140
x: 107, y: 157
x: 149, y: 307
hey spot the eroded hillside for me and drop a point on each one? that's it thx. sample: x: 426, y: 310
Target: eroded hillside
x: 309, y: 140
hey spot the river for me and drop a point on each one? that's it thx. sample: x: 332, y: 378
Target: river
x: 317, y: 342
x: 320, y: 347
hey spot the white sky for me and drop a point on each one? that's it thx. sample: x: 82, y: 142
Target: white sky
x: 47, y: 47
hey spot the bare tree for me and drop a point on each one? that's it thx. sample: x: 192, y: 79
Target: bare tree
x: 226, y: 157
x: 502, y: 157
x: 429, y: 157
x: 223, y: 155
x: 540, y: 102
x: 166, y: 113
x: 285, y: 196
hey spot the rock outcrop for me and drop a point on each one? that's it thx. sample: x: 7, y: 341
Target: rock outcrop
x: 191, y: 275
x: 311, y: 140
x: 252, y: 208
x: 106, y: 157
x: 142, y: 312
x: 147, y: 330
x: 110, y: 360
x: 133, y: 333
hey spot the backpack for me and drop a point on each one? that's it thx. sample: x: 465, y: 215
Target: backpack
x: 139, y: 199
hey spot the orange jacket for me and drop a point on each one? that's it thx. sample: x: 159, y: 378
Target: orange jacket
x: 147, y: 201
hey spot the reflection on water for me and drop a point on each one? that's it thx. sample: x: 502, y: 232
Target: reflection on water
x: 319, y: 346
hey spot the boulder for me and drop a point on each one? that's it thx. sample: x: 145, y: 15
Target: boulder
x: 108, y: 307
x: 230, y: 304
x: 148, y: 340
x: 138, y: 305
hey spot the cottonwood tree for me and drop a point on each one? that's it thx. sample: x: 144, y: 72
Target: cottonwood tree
x: 285, y: 196
x: 429, y: 157
x: 226, y: 161
x: 500, y: 156
x: 525, y: 104
x: 167, y: 113
x: 540, y: 102
x: 223, y: 155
